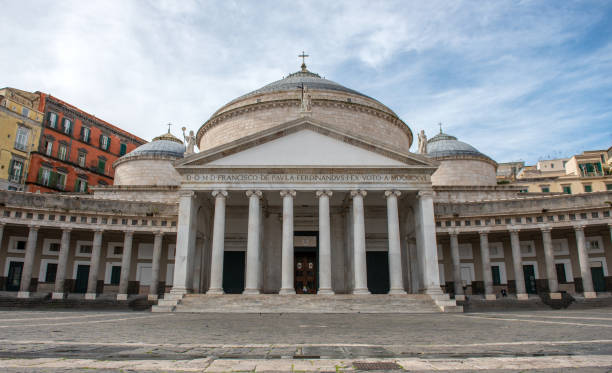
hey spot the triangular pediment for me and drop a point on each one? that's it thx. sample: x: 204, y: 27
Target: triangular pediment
x: 303, y: 143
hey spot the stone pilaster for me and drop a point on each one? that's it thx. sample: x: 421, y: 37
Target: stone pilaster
x: 359, y: 243
x: 395, y: 255
x: 62, y: 264
x: 287, y: 279
x: 218, y: 244
x: 28, y: 263
x: 325, y: 264
x: 253, y: 270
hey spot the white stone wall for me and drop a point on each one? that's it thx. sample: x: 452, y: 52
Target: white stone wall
x: 464, y: 172
x: 153, y: 172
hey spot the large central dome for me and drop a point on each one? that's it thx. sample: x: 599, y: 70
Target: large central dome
x: 283, y: 101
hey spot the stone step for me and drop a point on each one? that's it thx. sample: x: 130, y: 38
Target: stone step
x: 163, y: 308
x: 342, y: 303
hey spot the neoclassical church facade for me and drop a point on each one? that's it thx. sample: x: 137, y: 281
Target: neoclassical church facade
x: 305, y: 187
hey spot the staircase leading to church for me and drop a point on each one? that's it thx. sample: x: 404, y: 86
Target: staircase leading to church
x: 274, y: 303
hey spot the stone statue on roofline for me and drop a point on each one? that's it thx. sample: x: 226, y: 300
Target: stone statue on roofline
x: 190, y: 141
x: 306, y: 105
x: 422, y: 142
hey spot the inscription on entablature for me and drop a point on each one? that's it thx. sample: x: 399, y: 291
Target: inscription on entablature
x: 238, y: 178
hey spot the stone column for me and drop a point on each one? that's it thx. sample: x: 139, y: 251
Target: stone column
x: 549, y: 258
x: 62, y: 264
x: 185, y: 245
x: 253, y: 270
x: 585, y: 265
x: 126, y: 261
x: 359, y: 243
x: 94, y: 268
x: 157, y: 250
x: 287, y: 279
x: 517, y: 263
x: 426, y: 243
x: 218, y: 244
x: 458, y: 282
x: 325, y: 265
x: 487, y: 276
x: 396, y: 285
x: 28, y: 263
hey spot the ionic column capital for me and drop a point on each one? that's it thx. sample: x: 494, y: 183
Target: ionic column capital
x: 67, y: 229
x: 287, y: 192
x: 99, y: 230
x: 219, y: 193
x: 256, y: 193
x: 159, y: 233
x: 128, y: 232
x: 392, y: 193
x: 359, y: 192
x: 453, y: 232
x: 545, y: 228
x: 513, y: 229
x: 187, y: 194
x: 425, y: 194
x: 483, y: 232
x: 579, y: 227
x: 321, y: 193
x: 34, y: 227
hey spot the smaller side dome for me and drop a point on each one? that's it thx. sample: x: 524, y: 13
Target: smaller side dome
x: 460, y: 163
x: 151, y: 164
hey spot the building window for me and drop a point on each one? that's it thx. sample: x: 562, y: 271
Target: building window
x: 545, y: 189
x: 44, y: 176
x: 85, y: 134
x: 51, y: 272
x: 25, y: 111
x: 496, y: 275
x: 52, y: 120
x: 48, y: 147
x: 588, y: 188
x: 15, y: 170
x: 54, y: 246
x: 85, y: 249
x: 608, y: 186
x: 67, y: 126
x: 61, y: 181
x: 104, y: 142
x: 62, y: 152
x: 115, y: 275
x: 80, y: 186
x: 561, y: 273
x: 567, y: 189
x: 101, y: 165
x: 82, y: 158
x: 21, y: 140
x: 123, y: 149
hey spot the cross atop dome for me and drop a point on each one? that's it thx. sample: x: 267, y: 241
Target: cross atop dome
x: 303, y: 56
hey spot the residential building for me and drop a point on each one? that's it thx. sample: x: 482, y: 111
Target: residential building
x: 20, y: 128
x: 76, y: 149
x: 507, y: 171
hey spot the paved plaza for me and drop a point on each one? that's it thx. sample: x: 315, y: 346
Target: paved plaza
x: 37, y: 341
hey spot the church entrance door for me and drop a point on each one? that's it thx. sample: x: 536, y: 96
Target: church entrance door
x: 305, y: 272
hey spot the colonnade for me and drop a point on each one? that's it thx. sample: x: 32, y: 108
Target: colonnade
x: 521, y: 293
x: 426, y: 243
x: 94, y: 267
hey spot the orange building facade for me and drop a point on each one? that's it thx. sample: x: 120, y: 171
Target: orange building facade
x: 76, y: 150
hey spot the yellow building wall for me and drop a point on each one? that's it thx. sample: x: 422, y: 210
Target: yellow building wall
x: 10, y: 118
x: 598, y: 184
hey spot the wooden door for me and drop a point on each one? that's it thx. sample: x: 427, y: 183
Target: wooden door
x: 305, y: 273
x: 82, y: 276
x: 599, y: 280
x: 13, y: 280
x: 530, y: 280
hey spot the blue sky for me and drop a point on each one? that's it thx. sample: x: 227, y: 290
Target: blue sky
x: 519, y: 80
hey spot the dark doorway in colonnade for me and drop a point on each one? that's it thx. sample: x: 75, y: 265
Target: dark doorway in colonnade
x: 378, y: 271
x: 82, y: 275
x: 530, y: 280
x: 599, y: 280
x: 13, y: 280
x: 233, y: 272
x: 306, y: 262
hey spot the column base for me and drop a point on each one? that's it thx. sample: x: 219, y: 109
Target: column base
x: 363, y: 291
x: 490, y: 297
x: 554, y: 295
x: 287, y: 291
x: 58, y: 295
x: 179, y: 290
x: 251, y: 292
x: 91, y: 296
x: 460, y: 297
x: 397, y: 291
x: 325, y: 292
x: 23, y: 294
x: 217, y: 291
x: 522, y: 296
x: 432, y: 291
x: 152, y: 297
x: 122, y: 296
x: 590, y: 294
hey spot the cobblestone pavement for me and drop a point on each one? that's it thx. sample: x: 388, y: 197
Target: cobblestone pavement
x: 43, y: 341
